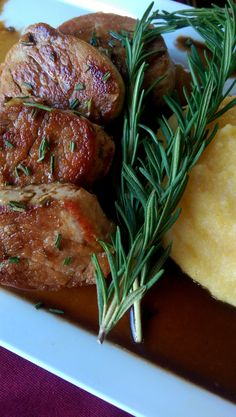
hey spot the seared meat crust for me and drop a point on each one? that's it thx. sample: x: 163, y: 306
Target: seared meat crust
x: 95, y: 28
x: 37, y: 146
x: 48, y: 243
x: 63, y: 71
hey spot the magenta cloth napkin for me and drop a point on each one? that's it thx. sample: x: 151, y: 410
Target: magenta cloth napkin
x: 29, y: 391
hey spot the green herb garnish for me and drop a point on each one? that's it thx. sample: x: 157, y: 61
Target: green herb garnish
x: 43, y: 148
x: 39, y: 305
x: 56, y: 311
x: 154, y: 173
x: 88, y: 104
x: 8, y: 144
x: 79, y: 87
x: 37, y: 105
x: 106, y: 76
x: 52, y: 163
x: 17, y: 206
x: 74, y: 103
x: 111, y: 43
x: 72, y: 146
x: 24, y: 169
x: 93, y: 40
x: 58, y: 241
x: 67, y: 261
x: 14, y: 260
x: 28, y: 86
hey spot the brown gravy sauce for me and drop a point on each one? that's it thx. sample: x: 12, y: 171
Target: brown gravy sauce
x: 185, y: 329
x: 8, y: 36
x: 184, y: 43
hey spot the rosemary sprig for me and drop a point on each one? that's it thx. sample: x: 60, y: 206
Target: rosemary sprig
x: 154, y: 173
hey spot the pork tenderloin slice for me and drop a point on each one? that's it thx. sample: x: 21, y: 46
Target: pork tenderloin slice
x: 64, y: 71
x: 48, y: 234
x: 95, y: 28
x: 38, y: 146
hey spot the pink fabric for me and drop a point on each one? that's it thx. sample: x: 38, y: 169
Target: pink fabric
x: 29, y: 391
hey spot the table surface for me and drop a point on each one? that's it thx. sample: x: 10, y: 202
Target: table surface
x: 29, y: 391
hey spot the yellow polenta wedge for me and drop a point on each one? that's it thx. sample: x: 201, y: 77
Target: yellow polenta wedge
x: 204, y: 237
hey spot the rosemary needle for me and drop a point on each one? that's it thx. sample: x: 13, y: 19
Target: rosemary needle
x: 56, y: 311
x: 39, y: 305
x: 154, y: 175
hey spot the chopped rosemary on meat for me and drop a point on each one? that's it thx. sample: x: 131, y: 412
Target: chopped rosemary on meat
x: 88, y: 103
x: 74, y: 103
x: 106, y: 76
x: 43, y: 148
x: 14, y: 260
x: 79, y: 87
x: 52, y: 163
x: 67, y: 261
x: 94, y: 39
x: 39, y: 305
x: 16, y: 171
x: 86, y: 67
x: 111, y: 43
x: 37, y: 105
x: 72, y: 146
x: 28, y: 86
x: 53, y: 56
x: 17, y: 206
x: 154, y: 173
x: 33, y: 113
x: 24, y: 169
x: 56, y: 311
x: 26, y: 43
x: 8, y: 144
x: 58, y: 241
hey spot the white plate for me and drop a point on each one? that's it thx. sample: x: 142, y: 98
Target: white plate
x: 107, y: 371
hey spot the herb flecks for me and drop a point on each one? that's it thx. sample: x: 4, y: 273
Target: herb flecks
x: 72, y: 146
x: 17, y: 206
x: 52, y: 164
x: 43, y: 148
x: 28, y: 86
x: 88, y: 104
x: 8, y: 144
x: 79, y: 87
x: 56, y: 311
x: 67, y: 261
x: 94, y: 39
x: 39, y: 305
x: 24, y: 169
x: 14, y: 260
x: 111, y: 43
x: 58, y: 241
x: 106, y: 76
x: 74, y: 103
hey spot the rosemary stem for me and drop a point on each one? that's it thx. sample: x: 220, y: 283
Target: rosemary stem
x: 135, y: 317
x: 107, y: 318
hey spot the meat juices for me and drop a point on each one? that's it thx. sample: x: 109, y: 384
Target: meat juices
x: 38, y: 146
x: 48, y: 234
x: 64, y: 72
